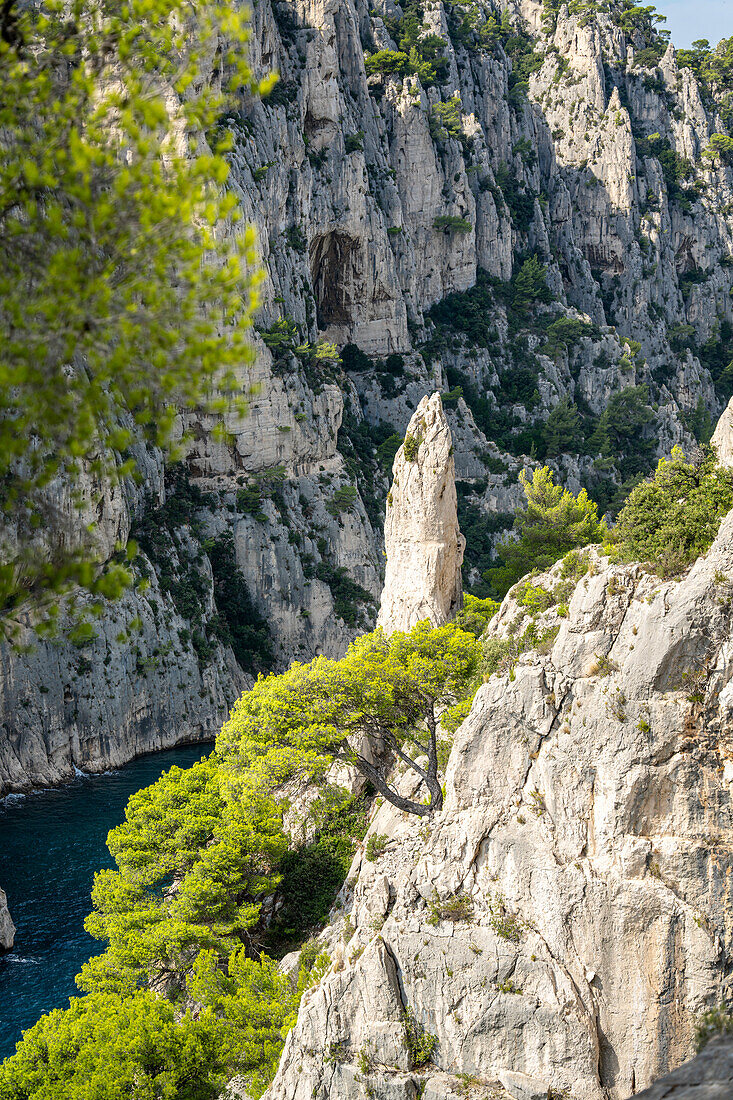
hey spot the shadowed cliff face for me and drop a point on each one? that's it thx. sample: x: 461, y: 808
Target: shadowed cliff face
x: 374, y: 197
x: 566, y: 916
x: 723, y: 436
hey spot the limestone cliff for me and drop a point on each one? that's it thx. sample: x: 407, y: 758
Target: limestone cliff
x: 707, y: 1077
x: 723, y: 436
x: 423, y: 543
x: 137, y: 685
x: 395, y: 210
x: 567, y: 915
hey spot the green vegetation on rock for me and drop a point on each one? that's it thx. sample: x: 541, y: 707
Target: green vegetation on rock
x: 476, y: 614
x: 203, y: 848
x: 172, y: 537
x: 313, y: 874
x: 669, y: 520
x: 445, y: 120
x: 713, y: 67
x: 108, y: 1047
x: 417, y: 53
x: 386, y: 692
x: 111, y: 259
x: 553, y: 523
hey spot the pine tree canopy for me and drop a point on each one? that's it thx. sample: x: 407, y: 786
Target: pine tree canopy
x: 121, y: 300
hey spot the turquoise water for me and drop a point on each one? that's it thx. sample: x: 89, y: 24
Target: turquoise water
x: 51, y: 843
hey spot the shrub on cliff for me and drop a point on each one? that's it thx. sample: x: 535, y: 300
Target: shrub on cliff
x: 719, y: 150
x: 111, y: 1046
x: 387, y: 63
x: 529, y: 284
x: 713, y: 67
x: 622, y: 432
x: 223, y: 856
x: 563, y: 428
x: 553, y: 523
x: 181, y: 911
x: 239, y: 624
x: 714, y: 1024
x: 475, y: 614
x: 446, y: 120
x: 106, y: 1047
x: 387, y: 692
x: 672, y: 518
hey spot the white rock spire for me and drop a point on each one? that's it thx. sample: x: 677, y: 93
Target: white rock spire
x: 423, y: 541
x: 723, y: 436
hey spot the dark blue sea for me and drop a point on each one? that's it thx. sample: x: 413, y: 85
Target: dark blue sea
x: 51, y: 843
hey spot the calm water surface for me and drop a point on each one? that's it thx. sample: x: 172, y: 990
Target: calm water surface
x: 51, y: 843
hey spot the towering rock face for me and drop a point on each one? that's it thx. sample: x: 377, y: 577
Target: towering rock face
x: 567, y: 915
x: 124, y: 692
x: 7, y: 928
x: 423, y: 543
x: 377, y: 195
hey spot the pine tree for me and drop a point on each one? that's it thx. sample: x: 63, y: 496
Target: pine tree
x: 120, y: 300
x: 529, y: 284
x: 553, y: 523
x: 385, y: 694
x: 673, y: 517
x: 562, y: 429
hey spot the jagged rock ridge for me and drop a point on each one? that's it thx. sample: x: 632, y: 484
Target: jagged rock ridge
x: 567, y: 914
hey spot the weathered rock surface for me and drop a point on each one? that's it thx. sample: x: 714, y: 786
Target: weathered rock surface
x: 567, y: 915
x: 423, y: 543
x: 7, y: 928
x: 349, y: 183
x: 137, y: 686
x: 723, y: 436
x: 707, y: 1077
x: 521, y: 1087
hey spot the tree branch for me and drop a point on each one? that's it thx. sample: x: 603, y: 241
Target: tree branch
x: 373, y: 775
x: 431, y: 780
x: 411, y: 763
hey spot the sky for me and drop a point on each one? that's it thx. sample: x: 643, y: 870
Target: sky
x: 691, y: 19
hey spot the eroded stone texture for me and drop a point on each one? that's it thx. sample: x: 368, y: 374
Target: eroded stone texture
x: 707, y: 1077
x: 100, y: 705
x: 423, y: 542
x: 723, y: 436
x: 567, y: 916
